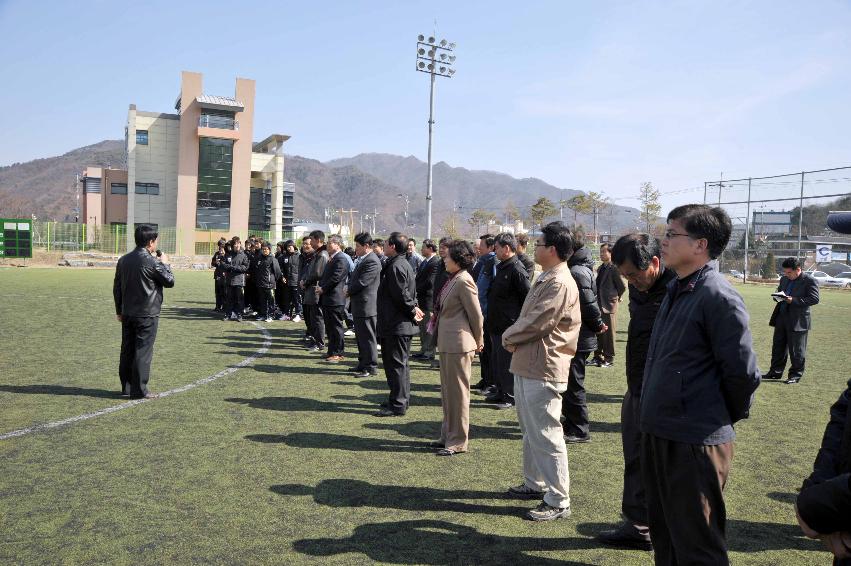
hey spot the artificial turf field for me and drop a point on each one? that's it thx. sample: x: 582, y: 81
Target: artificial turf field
x: 282, y: 462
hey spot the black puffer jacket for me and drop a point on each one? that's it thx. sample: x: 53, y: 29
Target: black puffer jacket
x: 236, y: 266
x: 290, y: 266
x: 267, y: 272
x: 643, y: 307
x: 582, y: 268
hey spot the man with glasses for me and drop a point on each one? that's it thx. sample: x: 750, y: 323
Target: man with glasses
x: 543, y: 342
x: 699, y: 380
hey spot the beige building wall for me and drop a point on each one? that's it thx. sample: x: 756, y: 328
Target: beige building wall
x: 156, y: 162
x: 242, y: 149
x: 191, y: 87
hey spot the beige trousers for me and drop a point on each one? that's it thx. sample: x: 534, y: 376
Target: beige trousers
x: 455, y: 370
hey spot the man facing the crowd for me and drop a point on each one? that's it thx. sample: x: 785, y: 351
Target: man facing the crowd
x: 312, y: 307
x: 398, y: 316
x: 138, y: 293
x: 791, y: 321
x: 363, y: 293
x: 699, y: 380
x: 425, y: 277
x: 236, y: 266
x: 610, y: 289
x: 528, y: 262
x: 542, y: 341
x: 483, y: 275
x: 639, y: 259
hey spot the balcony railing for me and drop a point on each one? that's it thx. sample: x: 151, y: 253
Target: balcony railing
x: 220, y: 122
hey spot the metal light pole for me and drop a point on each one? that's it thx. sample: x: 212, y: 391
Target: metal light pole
x: 436, y: 59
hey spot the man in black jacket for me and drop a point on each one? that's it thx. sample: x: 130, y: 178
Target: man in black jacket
x: 305, y: 265
x: 219, y: 277
x: 398, y: 316
x: 236, y: 266
x: 506, y: 294
x: 290, y: 262
x: 363, y: 293
x: 574, y: 404
x: 610, y: 289
x: 791, y: 321
x: 138, y: 294
x: 267, y: 274
x: 638, y: 258
x: 699, y: 380
x: 332, y: 297
x: 312, y: 308
x: 528, y: 262
x: 425, y: 276
x: 483, y: 275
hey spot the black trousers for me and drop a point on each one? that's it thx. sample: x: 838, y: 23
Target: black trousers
x: 265, y: 302
x: 334, y: 317
x: 137, y: 349
x: 500, y: 364
x: 315, y: 324
x: 684, y: 484
x: 633, y: 502
x: 788, y: 344
x: 250, y: 294
x: 281, y: 297
x: 573, y: 405
x: 367, y: 342
x: 485, y: 362
x: 291, y: 301
x: 221, y: 286
x: 394, y: 355
x: 236, y: 301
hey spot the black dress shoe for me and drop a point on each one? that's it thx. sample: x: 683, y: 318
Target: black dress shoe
x: 626, y: 535
x: 792, y: 380
x: 772, y: 375
x: 355, y: 369
x: 437, y: 444
x: 385, y: 412
x: 362, y: 373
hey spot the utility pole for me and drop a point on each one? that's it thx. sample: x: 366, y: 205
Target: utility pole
x: 434, y: 58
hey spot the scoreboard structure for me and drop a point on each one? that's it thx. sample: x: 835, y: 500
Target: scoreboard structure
x: 16, y: 237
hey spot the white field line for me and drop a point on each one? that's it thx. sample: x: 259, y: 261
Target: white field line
x: 267, y: 342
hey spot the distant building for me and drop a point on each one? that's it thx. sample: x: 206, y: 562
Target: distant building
x: 197, y: 171
x: 771, y: 222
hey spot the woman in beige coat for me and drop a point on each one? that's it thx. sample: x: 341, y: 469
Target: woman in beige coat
x: 457, y: 321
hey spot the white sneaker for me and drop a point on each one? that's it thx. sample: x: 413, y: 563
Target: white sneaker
x: 296, y: 318
x: 349, y: 333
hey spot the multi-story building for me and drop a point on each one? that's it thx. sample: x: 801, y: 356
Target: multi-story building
x: 197, y: 171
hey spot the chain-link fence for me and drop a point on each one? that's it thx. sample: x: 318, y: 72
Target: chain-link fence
x: 781, y: 216
x: 71, y: 237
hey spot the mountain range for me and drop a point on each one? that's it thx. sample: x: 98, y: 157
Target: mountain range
x: 370, y: 183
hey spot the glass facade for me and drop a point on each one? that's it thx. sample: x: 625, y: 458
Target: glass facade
x: 260, y: 210
x: 215, y: 171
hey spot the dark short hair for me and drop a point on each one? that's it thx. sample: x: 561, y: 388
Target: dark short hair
x: 318, y: 235
x: 378, y: 242
x: 445, y: 241
x: 488, y: 238
x: 144, y: 234
x: 349, y: 251
x: 578, y: 236
x: 266, y: 245
x: 790, y: 263
x: 304, y: 239
x: 522, y: 240
x: 462, y: 253
x: 363, y: 238
x: 289, y: 243
x: 637, y: 248
x: 506, y: 239
x: 604, y: 246
x: 708, y: 222
x: 411, y: 240
x: 398, y: 241
x: 428, y: 243
x: 557, y: 235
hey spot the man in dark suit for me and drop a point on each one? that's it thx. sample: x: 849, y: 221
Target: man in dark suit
x: 791, y: 321
x: 483, y: 275
x: 332, y: 297
x: 398, y: 316
x: 426, y: 273
x: 362, y: 293
x: 138, y: 293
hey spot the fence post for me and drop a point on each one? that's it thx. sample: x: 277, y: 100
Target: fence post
x: 48, y: 236
x: 747, y: 233
x: 801, y: 215
x: 83, y: 239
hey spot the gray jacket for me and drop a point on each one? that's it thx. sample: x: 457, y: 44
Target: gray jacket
x: 701, y: 371
x: 363, y: 286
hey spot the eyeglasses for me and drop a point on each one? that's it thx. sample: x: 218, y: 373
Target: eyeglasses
x: 671, y: 235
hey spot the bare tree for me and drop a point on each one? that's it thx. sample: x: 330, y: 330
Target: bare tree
x: 650, y: 207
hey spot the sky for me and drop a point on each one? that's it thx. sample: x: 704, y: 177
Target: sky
x: 596, y: 96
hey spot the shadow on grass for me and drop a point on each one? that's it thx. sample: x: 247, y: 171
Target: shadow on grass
x: 426, y: 541
x: 375, y: 399
x: 190, y: 313
x: 303, y: 404
x: 340, y: 442
x: 604, y: 398
x: 288, y: 369
x: 431, y: 430
x: 358, y: 493
x: 742, y: 536
x: 604, y: 427
x: 60, y: 390
x: 381, y: 385
x: 783, y: 497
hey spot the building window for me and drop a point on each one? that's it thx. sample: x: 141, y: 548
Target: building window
x: 142, y: 137
x: 215, y: 168
x: 118, y: 188
x: 92, y: 185
x: 260, y: 209
x: 147, y: 188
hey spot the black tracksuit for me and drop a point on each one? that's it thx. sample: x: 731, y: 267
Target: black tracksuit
x: 266, y: 275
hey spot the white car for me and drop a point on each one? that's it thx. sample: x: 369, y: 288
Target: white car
x: 825, y: 280
x: 842, y: 280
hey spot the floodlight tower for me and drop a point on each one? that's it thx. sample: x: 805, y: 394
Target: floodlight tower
x: 436, y: 59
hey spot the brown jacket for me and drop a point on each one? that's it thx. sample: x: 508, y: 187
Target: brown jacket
x: 460, y: 326
x: 610, y: 287
x: 546, y: 334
